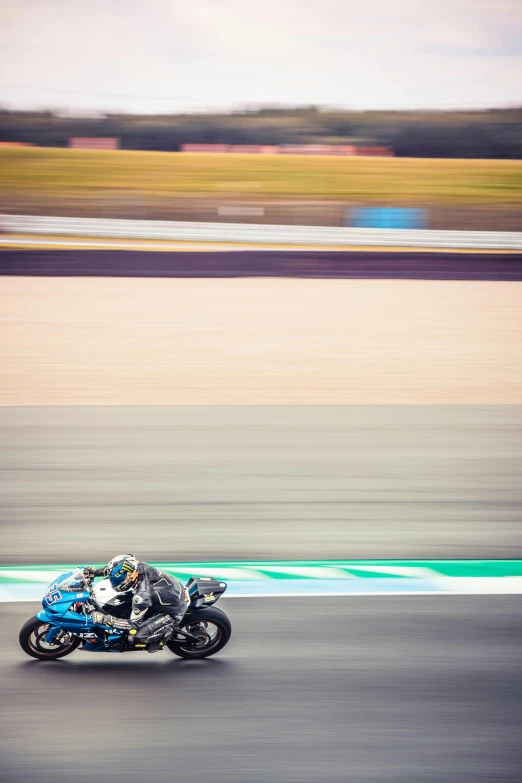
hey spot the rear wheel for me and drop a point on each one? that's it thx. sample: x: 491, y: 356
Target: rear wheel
x: 211, y: 626
x: 32, y: 641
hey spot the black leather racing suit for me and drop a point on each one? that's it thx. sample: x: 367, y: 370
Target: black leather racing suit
x: 158, y: 592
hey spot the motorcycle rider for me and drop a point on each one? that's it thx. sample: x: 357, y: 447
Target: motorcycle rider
x: 156, y: 594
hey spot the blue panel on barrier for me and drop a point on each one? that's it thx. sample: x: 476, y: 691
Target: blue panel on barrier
x: 387, y: 217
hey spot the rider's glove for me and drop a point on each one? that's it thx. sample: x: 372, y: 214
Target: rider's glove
x: 92, y: 571
x: 118, y: 623
x: 99, y: 618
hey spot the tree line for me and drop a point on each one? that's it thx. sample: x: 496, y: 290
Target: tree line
x: 495, y: 133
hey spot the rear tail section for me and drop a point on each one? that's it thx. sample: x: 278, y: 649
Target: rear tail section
x: 204, y: 591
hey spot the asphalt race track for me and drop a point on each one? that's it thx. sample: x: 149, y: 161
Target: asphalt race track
x: 387, y: 690
x: 260, y: 482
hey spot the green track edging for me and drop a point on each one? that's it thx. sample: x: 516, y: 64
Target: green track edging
x: 251, y: 570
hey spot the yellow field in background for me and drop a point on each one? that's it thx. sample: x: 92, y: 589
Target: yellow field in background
x: 67, y: 341
x: 86, y: 174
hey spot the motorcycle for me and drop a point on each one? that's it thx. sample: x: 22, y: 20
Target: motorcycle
x: 65, y: 622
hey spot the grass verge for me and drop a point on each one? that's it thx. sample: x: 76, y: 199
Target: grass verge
x: 88, y: 174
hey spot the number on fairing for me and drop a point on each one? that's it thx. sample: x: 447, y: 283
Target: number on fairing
x: 53, y: 594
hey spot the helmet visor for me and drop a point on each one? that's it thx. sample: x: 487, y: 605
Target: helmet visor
x: 122, y: 580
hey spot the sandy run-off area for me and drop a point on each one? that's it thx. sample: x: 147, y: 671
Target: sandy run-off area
x: 69, y: 341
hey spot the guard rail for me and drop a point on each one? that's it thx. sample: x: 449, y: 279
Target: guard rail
x: 260, y: 234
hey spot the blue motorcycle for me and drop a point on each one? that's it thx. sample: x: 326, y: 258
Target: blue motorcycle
x: 65, y: 622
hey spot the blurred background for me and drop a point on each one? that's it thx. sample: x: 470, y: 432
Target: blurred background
x: 313, y: 166
x: 312, y: 407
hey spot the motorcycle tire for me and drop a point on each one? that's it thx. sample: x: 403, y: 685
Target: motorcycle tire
x: 32, y: 642
x: 213, y: 628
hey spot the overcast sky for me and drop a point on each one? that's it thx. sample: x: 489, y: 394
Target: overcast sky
x: 172, y: 55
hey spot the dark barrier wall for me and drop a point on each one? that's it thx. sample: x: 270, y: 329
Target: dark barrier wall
x: 263, y: 263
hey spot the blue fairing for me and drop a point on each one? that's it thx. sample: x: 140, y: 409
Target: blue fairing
x: 69, y: 589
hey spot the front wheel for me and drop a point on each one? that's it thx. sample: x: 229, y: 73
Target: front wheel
x: 32, y: 641
x: 211, y: 626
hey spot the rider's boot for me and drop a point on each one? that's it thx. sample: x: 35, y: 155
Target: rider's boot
x: 153, y: 647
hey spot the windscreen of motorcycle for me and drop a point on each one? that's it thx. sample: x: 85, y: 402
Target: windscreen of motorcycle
x: 73, y: 582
